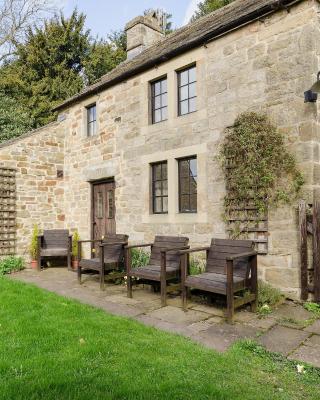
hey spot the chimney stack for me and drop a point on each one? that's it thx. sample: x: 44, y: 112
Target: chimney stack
x: 144, y: 31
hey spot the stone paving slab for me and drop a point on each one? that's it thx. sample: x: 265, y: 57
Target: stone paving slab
x: 281, y: 339
x: 202, y: 323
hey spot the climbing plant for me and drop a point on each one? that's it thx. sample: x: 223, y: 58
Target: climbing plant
x: 260, y: 171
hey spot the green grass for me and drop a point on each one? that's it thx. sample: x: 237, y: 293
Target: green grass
x: 55, y: 348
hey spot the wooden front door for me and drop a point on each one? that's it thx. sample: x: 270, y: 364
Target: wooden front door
x: 103, y: 209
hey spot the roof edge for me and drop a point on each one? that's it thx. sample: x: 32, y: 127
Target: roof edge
x: 268, y: 9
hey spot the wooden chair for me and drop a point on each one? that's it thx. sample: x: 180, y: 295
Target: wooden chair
x: 231, y: 267
x: 163, y: 267
x: 111, y: 256
x: 54, y: 243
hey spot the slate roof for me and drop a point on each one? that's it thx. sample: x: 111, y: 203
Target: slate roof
x: 207, y: 28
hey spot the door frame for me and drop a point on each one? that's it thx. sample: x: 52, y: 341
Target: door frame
x: 92, y: 184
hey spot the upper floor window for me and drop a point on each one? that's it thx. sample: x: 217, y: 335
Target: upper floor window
x: 160, y: 188
x: 92, y: 120
x: 159, y: 100
x: 188, y: 177
x: 187, y: 90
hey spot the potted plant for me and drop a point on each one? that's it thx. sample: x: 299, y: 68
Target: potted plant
x: 75, y: 240
x: 34, y: 247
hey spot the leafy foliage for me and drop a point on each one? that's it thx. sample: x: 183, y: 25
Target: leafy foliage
x: 14, y: 118
x: 34, y: 242
x: 55, y: 62
x: 139, y: 258
x: 11, y: 264
x: 207, y: 6
x: 312, y: 307
x: 260, y: 171
x: 75, y: 240
x: 268, y: 295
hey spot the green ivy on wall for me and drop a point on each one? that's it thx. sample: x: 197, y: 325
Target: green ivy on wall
x: 260, y: 172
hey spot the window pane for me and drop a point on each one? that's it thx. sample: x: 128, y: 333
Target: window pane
x: 158, y: 205
x: 193, y: 186
x: 165, y: 204
x: 164, y: 86
x: 192, y: 74
x: 193, y: 203
x: 99, y: 205
x: 157, y: 88
x: 184, y: 93
x: 184, y: 168
x: 183, y: 78
x: 157, y: 102
x: 157, y: 115
x: 165, y: 188
x: 193, y: 105
x: 192, y: 90
x: 164, y: 113
x: 184, y: 185
x: 193, y: 166
x: 164, y: 100
x: 184, y: 108
x: 94, y: 127
x: 157, y: 172
x: 157, y: 188
x: 164, y: 170
x: 94, y: 113
x: 110, y: 204
x: 184, y: 203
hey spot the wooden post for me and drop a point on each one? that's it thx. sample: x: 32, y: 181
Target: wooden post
x: 303, y: 250
x: 316, y: 250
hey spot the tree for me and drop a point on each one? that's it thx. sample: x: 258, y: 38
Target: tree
x: 14, y: 118
x: 15, y: 18
x: 207, y: 6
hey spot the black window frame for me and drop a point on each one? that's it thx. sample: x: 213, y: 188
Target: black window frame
x: 153, y: 100
x: 154, y: 181
x: 189, y: 194
x: 92, y: 122
x: 180, y: 86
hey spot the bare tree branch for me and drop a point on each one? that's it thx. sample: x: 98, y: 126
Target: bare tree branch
x: 15, y: 18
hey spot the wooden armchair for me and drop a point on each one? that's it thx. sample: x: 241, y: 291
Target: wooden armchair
x: 231, y: 267
x: 54, y: 243
x: 111, y: 256
x: 163, y: 267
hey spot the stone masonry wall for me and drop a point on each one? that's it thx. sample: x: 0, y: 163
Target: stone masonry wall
x: 40, y: 194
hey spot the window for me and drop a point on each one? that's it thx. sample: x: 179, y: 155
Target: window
x: 160, y: 188
x: 99, y: 206
x: 110, y: 204
x: 91, y: 120
x: 187, y: 185
x: 159, y: 100
x: 187, y: 90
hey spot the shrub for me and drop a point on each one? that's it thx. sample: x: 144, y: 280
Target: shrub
x: 197, y: 266
x: 139, y: 258
x: 75, y: 240
x: 11, y: 264
x: 268, y: 297
x: 312, y: 307
x: 33, y: 249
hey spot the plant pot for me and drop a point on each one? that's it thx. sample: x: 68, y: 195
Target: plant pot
x: 34, y: 264
x: 75, y: 264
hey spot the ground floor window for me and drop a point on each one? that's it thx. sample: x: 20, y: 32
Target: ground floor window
x: 188, y: 184
x: 160, y: 188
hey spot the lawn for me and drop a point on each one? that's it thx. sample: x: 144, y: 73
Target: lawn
x: 55, y: 348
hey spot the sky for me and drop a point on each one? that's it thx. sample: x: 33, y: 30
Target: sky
x: 104, y: 16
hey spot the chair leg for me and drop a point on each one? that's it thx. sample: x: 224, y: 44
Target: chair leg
x: 129, y: 287
x: 230, y: 306
x: 254, y: 285
x: 39, y: 263
x: 184, y: 298
x: 79, y: 275
x: 69, y: 262
x: 102, y: 283
x: 163, y: 293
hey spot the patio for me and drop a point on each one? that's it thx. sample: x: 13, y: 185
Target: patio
x: 287, y: 330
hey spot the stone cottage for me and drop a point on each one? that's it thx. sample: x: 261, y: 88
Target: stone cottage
x: 135, y: 152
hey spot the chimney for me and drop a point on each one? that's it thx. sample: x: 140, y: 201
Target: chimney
x: 144, y: 31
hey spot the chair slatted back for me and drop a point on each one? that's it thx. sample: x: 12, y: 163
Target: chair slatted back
x: 114, y: 252
x: 56, y: 238
x: 220, y: 249
x: 168, y: 242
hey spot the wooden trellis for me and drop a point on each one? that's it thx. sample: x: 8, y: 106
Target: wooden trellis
x: 7, y: 211
x: 244, y: 218
x: 309, y: 226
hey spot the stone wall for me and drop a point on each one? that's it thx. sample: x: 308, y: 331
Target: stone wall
x: 40, y: 194
x: 265, y: 67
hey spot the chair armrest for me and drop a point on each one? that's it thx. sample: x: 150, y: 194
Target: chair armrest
x: 111, y: 244
x: 195, y: 250
x: 90, y: 241
x: 242, y: 255
x: 134, y: 246
x: 174, y: 249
